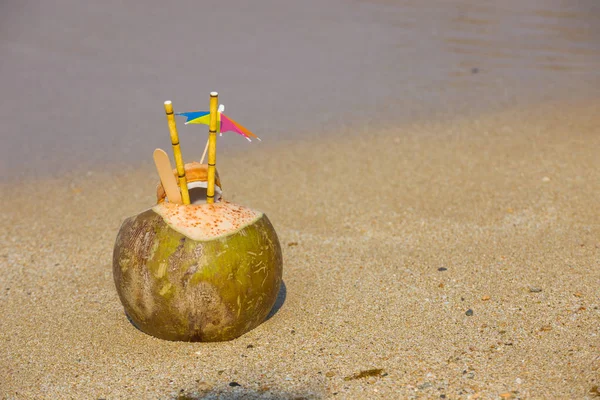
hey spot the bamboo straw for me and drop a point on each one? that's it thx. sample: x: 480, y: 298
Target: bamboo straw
x: 185, y: 195
x: 212, y: 148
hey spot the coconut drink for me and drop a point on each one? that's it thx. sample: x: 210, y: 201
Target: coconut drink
x: 208, y: 270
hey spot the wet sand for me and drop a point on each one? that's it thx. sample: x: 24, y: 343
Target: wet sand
x: 459, y: 257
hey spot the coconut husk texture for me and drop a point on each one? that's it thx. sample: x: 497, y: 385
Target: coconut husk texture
x: 179, y: 278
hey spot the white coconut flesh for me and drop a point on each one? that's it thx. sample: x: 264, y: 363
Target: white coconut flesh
x: 206, y: 221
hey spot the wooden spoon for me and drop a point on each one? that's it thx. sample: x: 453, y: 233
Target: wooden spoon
x: 165, y: 172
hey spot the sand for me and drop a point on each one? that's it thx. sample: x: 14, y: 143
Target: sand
x: 440, y: 220
x: 459, y: 257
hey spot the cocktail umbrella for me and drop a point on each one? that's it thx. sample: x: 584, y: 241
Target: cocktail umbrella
x: 226, y: 124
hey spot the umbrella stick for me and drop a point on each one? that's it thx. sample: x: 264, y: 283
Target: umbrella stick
x: 204, y: 154
x: 212, y: 148
x: 185, y: 195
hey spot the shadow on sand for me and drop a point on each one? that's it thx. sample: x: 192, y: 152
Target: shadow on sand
x: 279, y: 301
x: 242, y: 393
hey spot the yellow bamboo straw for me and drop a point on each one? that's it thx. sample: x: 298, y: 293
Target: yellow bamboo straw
x: 212, y: 148
x: 185, y: 195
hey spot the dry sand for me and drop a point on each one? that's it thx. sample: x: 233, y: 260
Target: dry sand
x: 389, y: 239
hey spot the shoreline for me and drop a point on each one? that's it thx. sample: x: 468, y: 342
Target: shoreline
x: 329, y: 134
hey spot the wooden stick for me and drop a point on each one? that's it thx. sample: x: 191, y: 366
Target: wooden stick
x: 165, y: 172
x: 185, y: 195
x: 204, y: 154
x: 212, y: 148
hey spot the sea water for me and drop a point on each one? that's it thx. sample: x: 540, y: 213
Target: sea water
x: 83, y: 83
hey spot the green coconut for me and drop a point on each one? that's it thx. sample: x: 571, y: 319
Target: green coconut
x: 200, y: 272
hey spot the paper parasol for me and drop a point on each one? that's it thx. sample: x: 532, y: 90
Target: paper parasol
x: 226, y: 124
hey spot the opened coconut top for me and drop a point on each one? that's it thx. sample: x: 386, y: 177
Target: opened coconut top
x: 200, y: 220
x: 206, y: 221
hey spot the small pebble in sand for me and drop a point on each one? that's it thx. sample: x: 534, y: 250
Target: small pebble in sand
x: 534, y: 289
x: 234, y: 384
x: 469, y: 312
x: 545, y: 179
x: 442, y: 269
x: 291, y: 244
x: 546, y: 328
x: 506, y: 395
x: 330, y: 374
x: 485, y: 298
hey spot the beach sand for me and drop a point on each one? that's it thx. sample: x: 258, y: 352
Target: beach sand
x: 460, y: 257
